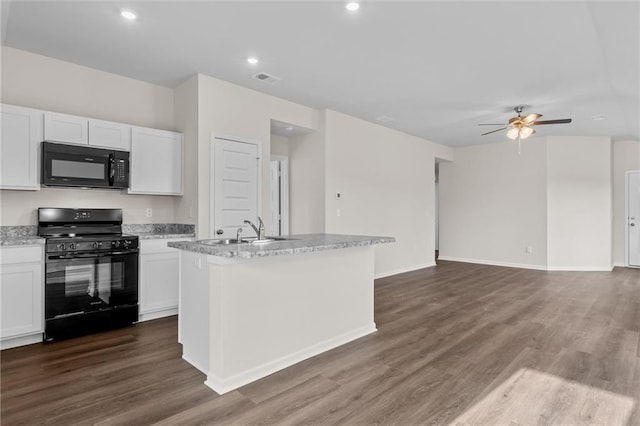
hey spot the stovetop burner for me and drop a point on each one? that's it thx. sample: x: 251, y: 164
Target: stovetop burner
x: 83, y: 230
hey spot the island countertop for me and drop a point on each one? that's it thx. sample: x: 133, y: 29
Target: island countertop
x: 293, y: 244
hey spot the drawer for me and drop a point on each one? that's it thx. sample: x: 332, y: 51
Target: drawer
x: 29, y: 254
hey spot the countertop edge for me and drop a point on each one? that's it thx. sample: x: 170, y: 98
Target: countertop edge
x: 280, y: 248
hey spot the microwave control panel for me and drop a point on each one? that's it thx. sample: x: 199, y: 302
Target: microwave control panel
x: 121, y: 170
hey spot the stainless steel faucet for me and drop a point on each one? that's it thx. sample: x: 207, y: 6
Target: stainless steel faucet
x: 258, y: 229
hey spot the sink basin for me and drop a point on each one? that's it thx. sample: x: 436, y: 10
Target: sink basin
x: 268, y: 240
x: 226, y: 241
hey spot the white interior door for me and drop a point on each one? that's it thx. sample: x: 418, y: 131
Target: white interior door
x: 235, y: 183
x: 633, y: 218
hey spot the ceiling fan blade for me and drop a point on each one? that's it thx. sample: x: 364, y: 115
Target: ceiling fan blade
x: 493, y: 131
x: 492, y: 124
x: 531, y: 118
x: 561, y: 121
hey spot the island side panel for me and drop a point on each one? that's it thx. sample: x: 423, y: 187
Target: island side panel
x: 281, y: 310
x: 193, y: 317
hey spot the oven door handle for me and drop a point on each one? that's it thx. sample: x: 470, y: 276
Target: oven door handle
x: 91, y: 256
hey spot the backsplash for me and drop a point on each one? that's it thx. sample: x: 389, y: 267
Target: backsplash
x: 158, y: 228
x: 7, y: 232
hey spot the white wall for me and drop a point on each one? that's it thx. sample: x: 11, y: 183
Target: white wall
x: 307, y: 169
x: 386, y: 182
x: 229, y: 110
x: 493, y: 204
x: 279, y: 145
x: 579, y: 203
x: 555, y: 197
x: 186, y: 122
x: 40, y: 82
x: 625, y: 156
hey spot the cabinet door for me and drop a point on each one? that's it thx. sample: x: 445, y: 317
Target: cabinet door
x: 66, y: 128
x: 106, y: 134
x: 19, y: 148
x: 21, y: 299
x: 156, y: 162
x: 159, y: 277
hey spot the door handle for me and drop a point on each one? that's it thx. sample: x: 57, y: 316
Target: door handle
x: 219, y: 232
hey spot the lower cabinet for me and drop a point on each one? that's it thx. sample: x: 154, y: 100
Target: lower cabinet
x: 21, y: 296
x: 158, y: 279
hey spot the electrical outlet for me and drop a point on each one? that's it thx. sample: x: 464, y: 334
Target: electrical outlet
x: 529, y: 249
x: 149, y: 212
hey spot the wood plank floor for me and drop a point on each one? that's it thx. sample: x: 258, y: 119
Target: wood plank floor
x: 456, y: 344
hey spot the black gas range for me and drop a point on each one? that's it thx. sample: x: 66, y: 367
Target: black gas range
x: 91, y: 271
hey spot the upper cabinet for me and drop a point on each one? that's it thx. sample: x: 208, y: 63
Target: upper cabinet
x: 156, y: 162
x: 106, y: 134
x: 86, y: 131
x: 155, y: 166
x: 19, y: 148
x: 66, y: 128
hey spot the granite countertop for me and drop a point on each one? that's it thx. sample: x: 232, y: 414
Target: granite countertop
x: 28, y: 234
x: 20, y: 236
x: 160, y: 230
x: 294, y: 244
x: 21, y: 241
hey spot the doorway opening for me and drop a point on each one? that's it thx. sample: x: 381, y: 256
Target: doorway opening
x: 632, y: 218
x: 279, y: 194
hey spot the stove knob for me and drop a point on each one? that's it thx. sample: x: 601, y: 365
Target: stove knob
x: 117, y: 244
x: 127, y: 243
x: 95, y: 245
x: 62, y: 246
x: 72, y: 246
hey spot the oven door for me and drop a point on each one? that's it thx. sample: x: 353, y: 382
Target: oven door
x: 76, y: 283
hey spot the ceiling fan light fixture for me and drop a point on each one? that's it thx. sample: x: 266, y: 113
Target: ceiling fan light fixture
x: 513, y: 132
x: 525, y: 132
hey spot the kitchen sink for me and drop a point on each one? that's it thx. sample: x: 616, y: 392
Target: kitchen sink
x: 225, y: 241
x: 268, y: 240
x: 250, y: 240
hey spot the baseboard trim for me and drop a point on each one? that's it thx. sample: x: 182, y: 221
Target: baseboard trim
x: 526, y: 266
x: 403, y: 270
x: 493, y: 263
x: 580, y: 268
x: 224, y: 385
x: 158, y: 313
x: 14, y: 342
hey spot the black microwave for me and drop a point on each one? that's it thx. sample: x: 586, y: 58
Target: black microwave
x: 83, y: 166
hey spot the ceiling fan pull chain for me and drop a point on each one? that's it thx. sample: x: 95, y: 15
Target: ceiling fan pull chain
x: 519, y: 145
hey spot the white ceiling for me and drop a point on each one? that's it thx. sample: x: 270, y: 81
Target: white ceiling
x: 436, y: 68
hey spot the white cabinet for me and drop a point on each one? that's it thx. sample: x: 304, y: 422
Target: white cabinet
x: 19, y: 148
x: 107, y: 134
x: 86, y: 131
x: 159, y: 275
x: 21, y: 296
x: 66, y: 128
x: 156, y: 162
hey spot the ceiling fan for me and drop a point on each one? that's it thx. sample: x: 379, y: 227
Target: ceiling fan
x: 521, y: 127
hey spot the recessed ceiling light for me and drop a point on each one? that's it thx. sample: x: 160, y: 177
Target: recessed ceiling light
x: 252, y: 60
x: 128, y: 15
x: 352, y: 6
x: 599, y: 117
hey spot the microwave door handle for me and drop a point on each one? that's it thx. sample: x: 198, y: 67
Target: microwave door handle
x: 112, y: 169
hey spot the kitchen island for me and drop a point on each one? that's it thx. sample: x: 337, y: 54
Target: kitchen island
x: 248, y: 310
